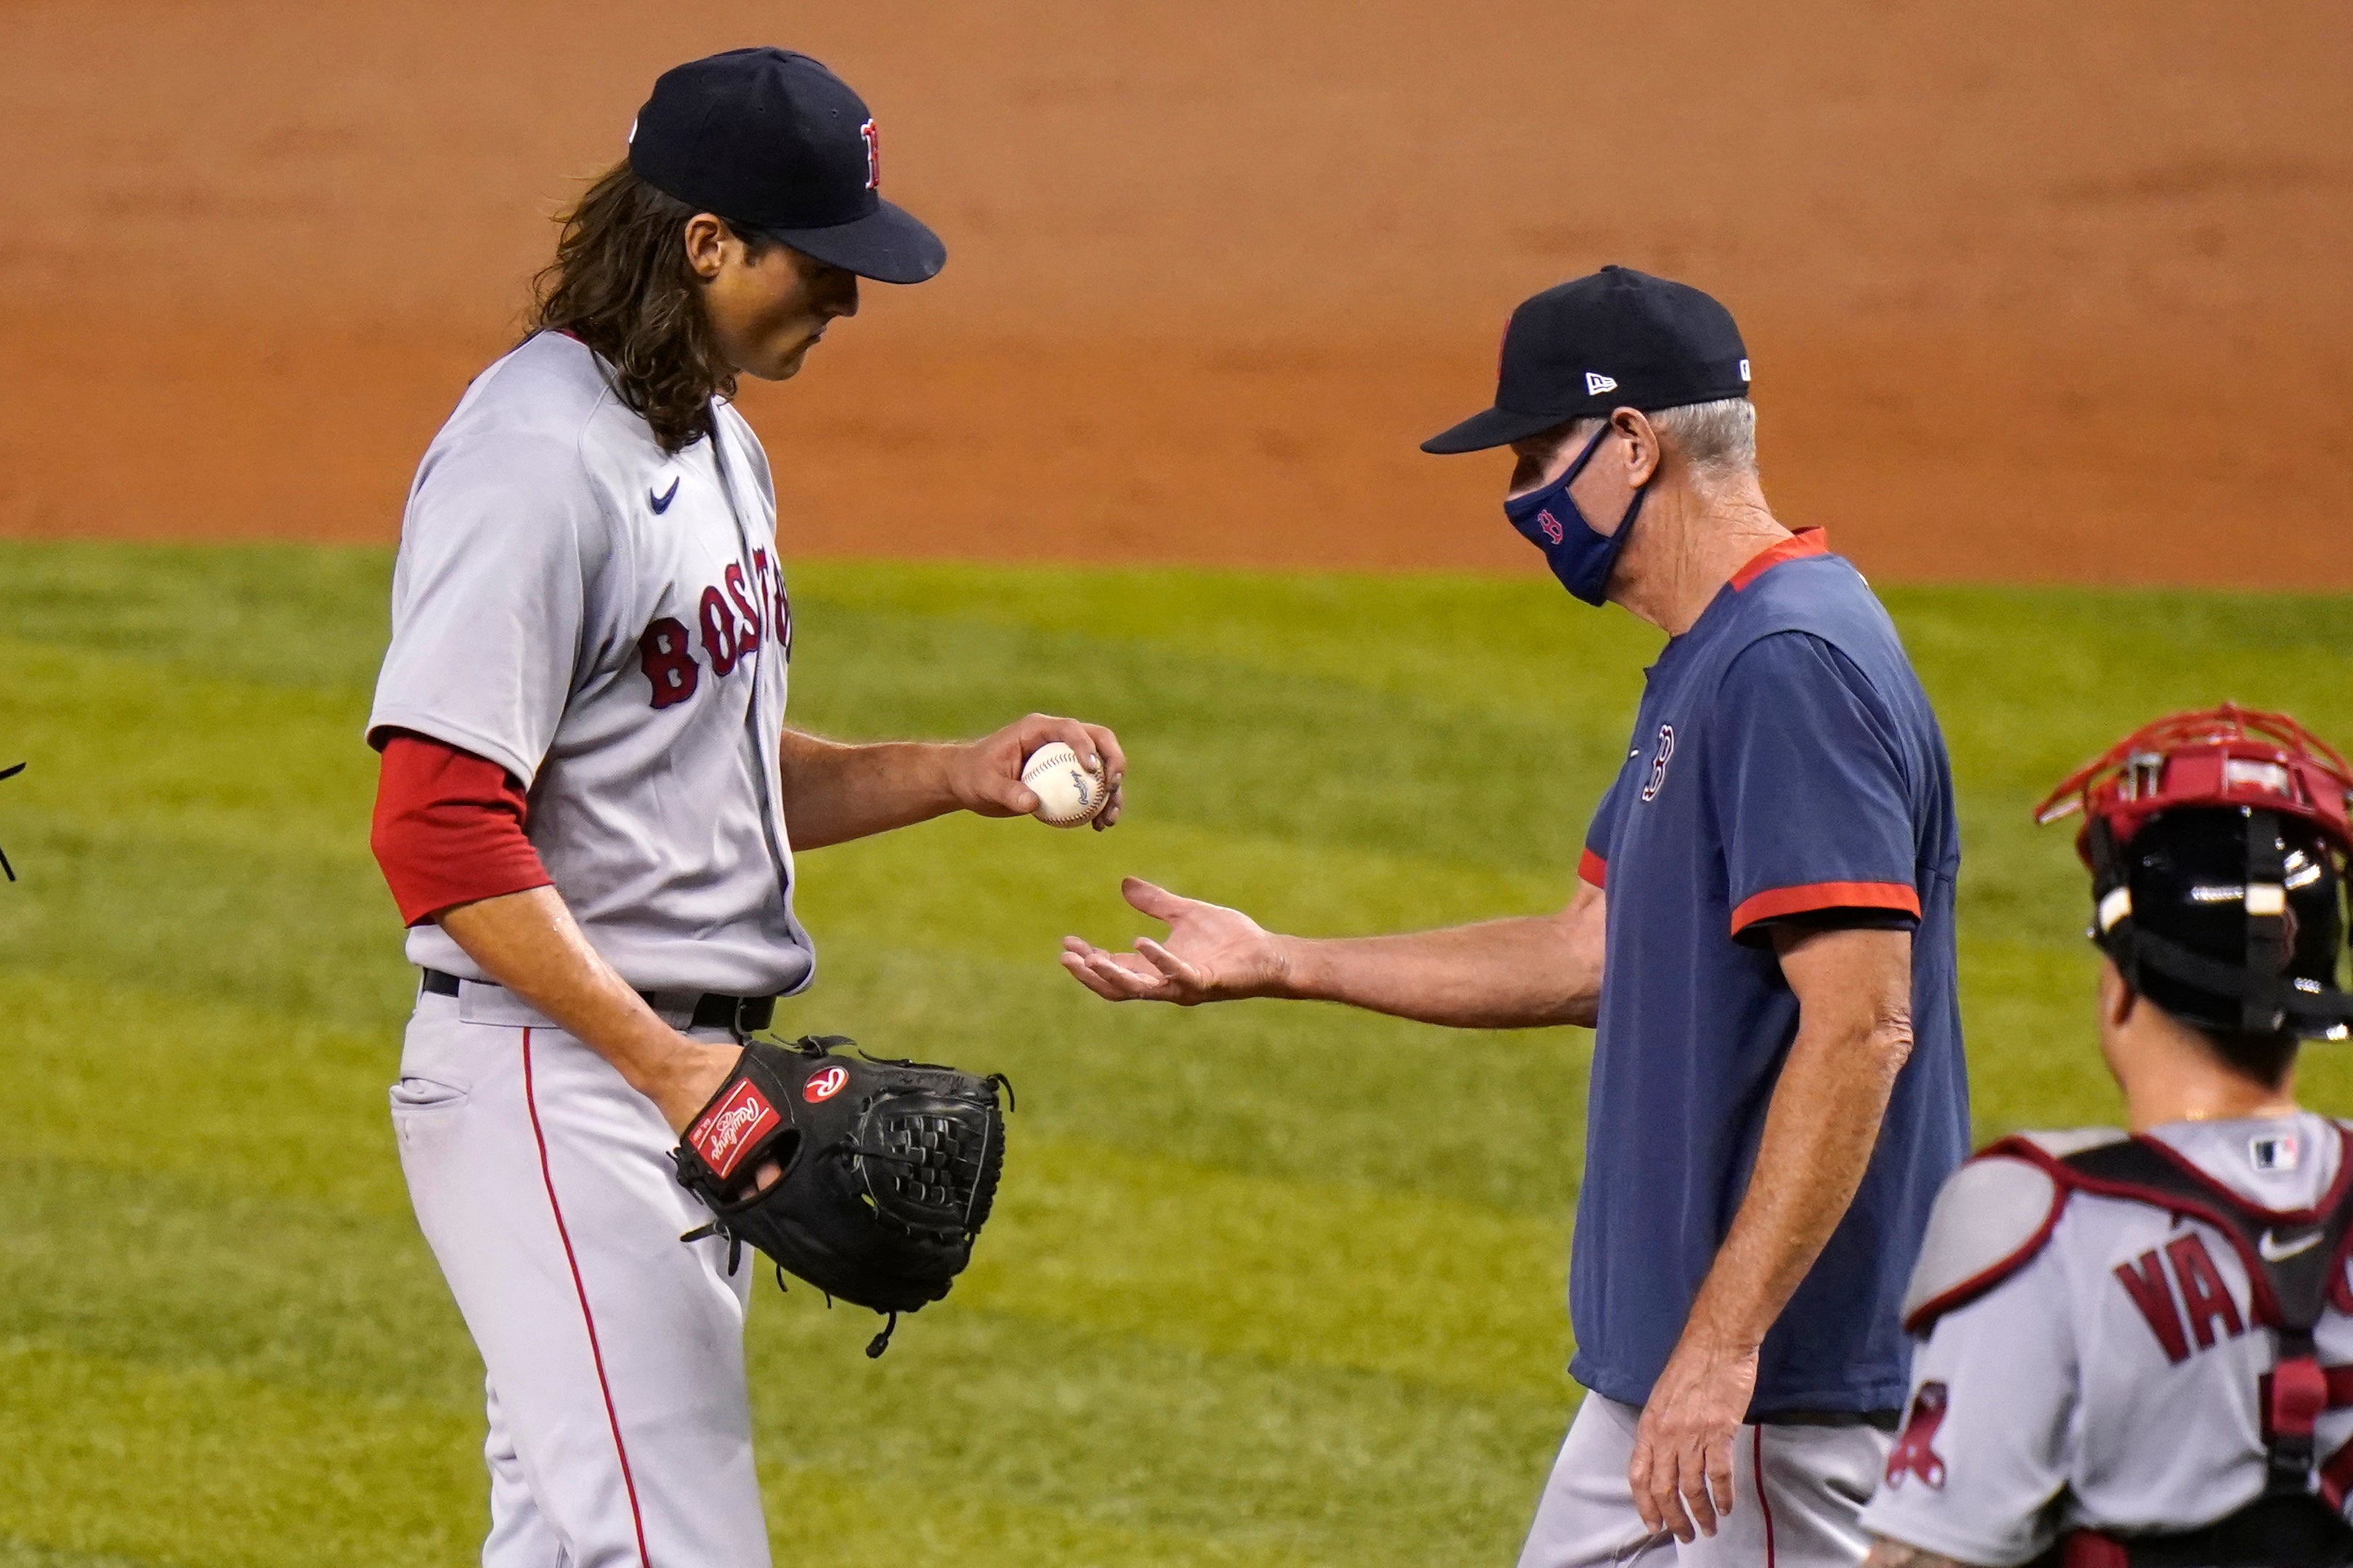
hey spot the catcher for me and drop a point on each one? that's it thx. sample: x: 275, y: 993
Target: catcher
x: 587, y: 811
x: 2136, y: 1350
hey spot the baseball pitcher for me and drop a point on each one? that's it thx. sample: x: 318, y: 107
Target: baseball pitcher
x: 2137, y: 1349
x: 587, y: 811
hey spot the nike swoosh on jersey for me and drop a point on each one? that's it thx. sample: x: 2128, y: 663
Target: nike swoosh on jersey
x: 661, y: 503
x: 2276, y: 1252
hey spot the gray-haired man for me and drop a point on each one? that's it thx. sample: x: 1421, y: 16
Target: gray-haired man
x: 1777, y: 1085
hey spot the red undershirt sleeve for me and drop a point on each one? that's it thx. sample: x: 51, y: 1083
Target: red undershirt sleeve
x: 448, y: 829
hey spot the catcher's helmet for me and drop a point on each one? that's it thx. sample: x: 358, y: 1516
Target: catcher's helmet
x: 2219, y: 843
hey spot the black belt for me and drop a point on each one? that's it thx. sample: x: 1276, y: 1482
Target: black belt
x: 1879, y: 1420
x: 744, y: 1014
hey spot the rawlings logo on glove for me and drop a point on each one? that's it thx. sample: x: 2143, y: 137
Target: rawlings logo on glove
x: 888, y: 1170
x: 723, y: 1134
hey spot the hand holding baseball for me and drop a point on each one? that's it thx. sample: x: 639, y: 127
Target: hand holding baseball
x: 988, y: 777
x: 1069, y: 792
x: 1212, y: 954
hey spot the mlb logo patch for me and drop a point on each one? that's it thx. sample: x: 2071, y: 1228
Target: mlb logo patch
x: 2282, y: 1152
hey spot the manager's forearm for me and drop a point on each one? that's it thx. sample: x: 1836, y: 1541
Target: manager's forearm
x: 1819, y: 1131
x: 1500, y: 975
x: 834, y: 792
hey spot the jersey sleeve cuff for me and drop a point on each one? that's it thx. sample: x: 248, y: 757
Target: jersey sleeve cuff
x: 1777, y: 903
x: 1593, y: 868
x: 386, y: 723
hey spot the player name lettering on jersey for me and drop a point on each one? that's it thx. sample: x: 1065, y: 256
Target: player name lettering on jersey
x: 2206, y: 1301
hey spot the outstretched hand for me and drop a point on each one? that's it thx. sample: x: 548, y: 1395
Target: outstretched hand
x: 986, y: 777
x: 1212, y: 954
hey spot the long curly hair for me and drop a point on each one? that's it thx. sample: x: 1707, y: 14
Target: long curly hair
x: 620, y: 283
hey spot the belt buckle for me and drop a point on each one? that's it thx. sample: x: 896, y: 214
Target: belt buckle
x: 740, y: 1005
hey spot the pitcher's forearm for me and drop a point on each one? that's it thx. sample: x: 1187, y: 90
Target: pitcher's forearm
x: 835, y: 792
x: 529, y: 942
x: 1500, y: 975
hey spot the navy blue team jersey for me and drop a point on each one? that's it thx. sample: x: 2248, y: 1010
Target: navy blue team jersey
x: 1785, y: 762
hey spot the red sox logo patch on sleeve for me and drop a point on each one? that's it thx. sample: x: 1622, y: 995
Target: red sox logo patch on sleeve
x: 824, y: 1085
x: 1915, y: 1454
x: 731, y: 1129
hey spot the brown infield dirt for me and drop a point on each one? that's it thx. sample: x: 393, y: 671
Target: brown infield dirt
x: 2033, y: 292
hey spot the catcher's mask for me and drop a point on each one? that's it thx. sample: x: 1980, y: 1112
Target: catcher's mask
x: 2218, y: 843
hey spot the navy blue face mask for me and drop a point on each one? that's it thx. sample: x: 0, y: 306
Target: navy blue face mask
x: 1578, y: 554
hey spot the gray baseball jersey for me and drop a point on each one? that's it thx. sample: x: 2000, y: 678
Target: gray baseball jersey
x: 2108, y: 1381
x: 609, y: 623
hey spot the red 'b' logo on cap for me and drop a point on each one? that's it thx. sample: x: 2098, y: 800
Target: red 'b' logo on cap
x: 824, y: 1085
x: 873, y: 156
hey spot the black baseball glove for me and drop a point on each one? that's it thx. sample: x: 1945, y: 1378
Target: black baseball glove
x: 888, y: 1170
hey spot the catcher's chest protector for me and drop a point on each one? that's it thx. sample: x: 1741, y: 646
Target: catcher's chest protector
x: 888, y: 1170
x: 2296, y: 1271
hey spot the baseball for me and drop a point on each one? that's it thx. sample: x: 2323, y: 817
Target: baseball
x: 1069, y: 793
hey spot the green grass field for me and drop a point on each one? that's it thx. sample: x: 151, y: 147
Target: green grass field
x: 1268, y: 1285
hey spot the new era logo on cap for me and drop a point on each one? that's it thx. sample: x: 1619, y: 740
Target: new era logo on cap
x: 1667, y: 345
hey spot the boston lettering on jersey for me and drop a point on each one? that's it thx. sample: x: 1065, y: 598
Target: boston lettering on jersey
x: 731, y: 629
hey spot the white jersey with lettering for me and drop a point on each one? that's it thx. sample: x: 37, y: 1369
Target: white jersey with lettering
x: 2093, y: 1363
x: 609, y: 623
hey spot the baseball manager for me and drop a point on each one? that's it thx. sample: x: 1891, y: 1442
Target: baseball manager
x: 1762, y: 941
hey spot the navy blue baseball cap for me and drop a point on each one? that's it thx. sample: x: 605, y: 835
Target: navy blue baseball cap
x: 772, y: 141
x: 1616, y: 339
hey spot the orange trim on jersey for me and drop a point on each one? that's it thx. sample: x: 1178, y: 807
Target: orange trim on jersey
x: 1775, y: 902
x: 1805, y: 542
x: 1593, y: 868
